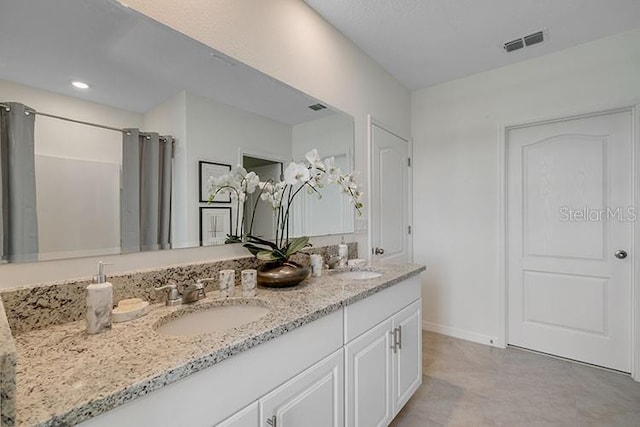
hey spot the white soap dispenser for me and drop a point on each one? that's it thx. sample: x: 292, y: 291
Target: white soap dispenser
x: 343, y: 253
x: 99, y: 303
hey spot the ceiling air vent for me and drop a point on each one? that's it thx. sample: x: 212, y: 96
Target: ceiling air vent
x: 528, y: 40
x: 513, y: 45
x: 317, y: 107
x: 533, y: 38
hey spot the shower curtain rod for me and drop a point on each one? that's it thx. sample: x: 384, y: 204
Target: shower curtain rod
x: 53, y: 116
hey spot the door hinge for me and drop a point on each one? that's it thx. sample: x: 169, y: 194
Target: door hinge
x: 409, y: 229
x: 409, y: 161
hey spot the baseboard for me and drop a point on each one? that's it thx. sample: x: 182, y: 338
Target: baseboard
x: 460, y: 333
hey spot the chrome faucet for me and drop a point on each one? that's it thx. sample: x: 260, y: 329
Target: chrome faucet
x: 173, y: 297
x: 333, y: 261
x: 192, y: 293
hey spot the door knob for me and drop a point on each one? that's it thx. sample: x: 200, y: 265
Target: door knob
x: 620, y: 254
x: 378, y: 251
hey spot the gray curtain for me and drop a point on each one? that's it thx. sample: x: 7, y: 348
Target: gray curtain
x: 19, y: 233
x: 145, y: 202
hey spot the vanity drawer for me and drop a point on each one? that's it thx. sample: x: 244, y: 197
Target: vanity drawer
x: 365, y: 314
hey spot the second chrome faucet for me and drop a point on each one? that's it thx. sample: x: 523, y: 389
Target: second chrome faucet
x: 192, y: 293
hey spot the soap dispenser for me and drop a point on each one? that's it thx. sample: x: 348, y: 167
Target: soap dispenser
x: 99, y: 303
x: 343, y: 253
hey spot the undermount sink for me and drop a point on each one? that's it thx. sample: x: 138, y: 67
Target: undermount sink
x: 357, y: 275
x: 212, y: 319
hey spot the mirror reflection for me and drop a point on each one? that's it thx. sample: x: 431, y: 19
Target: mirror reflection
x: 117, y: 165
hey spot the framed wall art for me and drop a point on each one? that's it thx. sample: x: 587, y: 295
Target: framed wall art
x: 215, y: 225
x: 207, y: 170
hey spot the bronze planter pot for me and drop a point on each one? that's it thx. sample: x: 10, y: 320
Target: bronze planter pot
x: 287, y: 274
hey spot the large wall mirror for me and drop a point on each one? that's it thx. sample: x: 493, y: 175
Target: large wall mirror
x: 119, y: 165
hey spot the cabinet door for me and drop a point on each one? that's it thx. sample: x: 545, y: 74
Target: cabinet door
x: 368, y: 377
x: 407, y: 363
x: 315, y: 398
x: 247, y: 417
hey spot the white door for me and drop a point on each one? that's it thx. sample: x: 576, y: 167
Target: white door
x: 389, y: 196
x: 315, y: 398
x: 368, y: 373
x: 407, y: 365
x: 569, y: 217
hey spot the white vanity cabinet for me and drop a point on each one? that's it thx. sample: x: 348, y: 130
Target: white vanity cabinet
x: 314, y: 398
x: 407, y: 359
x: 383, y: 365
x: 368, y: 361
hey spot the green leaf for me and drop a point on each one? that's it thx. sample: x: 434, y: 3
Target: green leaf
x: 232, y: 239
x: 254, y: 239
x: 266, y: 256
x: 279, y: 254
x: 253, y: 249
x: 296, y: 244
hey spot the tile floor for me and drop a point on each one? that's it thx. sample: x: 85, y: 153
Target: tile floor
x: 468, y: 384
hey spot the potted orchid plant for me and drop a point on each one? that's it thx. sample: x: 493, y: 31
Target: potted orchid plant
x: 237, y: 183
x: 309, y: 176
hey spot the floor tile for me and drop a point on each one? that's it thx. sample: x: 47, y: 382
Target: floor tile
x: 469, y: 384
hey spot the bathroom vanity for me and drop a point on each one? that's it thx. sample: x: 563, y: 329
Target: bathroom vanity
x: 330, y: 352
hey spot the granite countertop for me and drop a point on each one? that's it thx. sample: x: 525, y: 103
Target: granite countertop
x: 7, y: 370
x: 65, y: 376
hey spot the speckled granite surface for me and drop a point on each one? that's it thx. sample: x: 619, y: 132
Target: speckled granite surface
x: 7, y: 373
x: 60, y: 370
x: 38, y: 306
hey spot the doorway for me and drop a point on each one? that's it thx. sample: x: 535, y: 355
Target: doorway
x: 569, y: 237
x: 261, y: 222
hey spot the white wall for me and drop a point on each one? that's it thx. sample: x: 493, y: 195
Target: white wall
x: 289, y: 41
x: 456, y: 193
x: 331, y: 135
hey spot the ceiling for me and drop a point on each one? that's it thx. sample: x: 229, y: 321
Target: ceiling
x: 130, y: 61
x: 427, y: 42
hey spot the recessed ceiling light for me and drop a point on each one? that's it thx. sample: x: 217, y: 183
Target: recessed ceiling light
x: 80, y: 85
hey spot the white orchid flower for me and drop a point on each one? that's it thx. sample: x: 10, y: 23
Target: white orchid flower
x: 267, y: 190
x: 252, y: 180
x: 239, y: 171
x: 314, y: 159
x: 296, y: 173
x: 333, y: 173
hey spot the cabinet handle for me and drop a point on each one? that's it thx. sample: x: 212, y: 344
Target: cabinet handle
x: 272, y: 421
x: 393, y: 341
x: 399, y: 342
